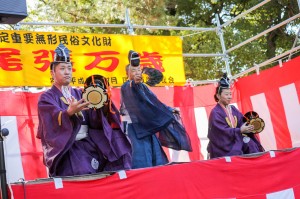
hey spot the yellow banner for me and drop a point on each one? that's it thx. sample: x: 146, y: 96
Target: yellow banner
x: 25, y: 56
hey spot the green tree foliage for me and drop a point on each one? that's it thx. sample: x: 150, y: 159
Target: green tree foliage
x: 186, y: 13
x: 202, y: 13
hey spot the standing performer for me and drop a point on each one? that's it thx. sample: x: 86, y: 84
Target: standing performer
x: 77, y: 140
x: 150, y: 123
x: 227, y: 133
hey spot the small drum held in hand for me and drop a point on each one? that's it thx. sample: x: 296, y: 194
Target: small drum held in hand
x: 95, y: 91
x: 253, y: 118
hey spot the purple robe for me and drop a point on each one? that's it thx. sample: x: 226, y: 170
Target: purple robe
x: 106, y: 148
x: 225, y: 140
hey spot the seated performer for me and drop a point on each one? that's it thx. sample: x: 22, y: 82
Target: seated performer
x: 150, y: 123
x: 77, y: 140
x: 227, y: 133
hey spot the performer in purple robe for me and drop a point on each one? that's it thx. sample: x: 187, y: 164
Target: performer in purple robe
x: 77, y: 140
x: 228, y: 134
x: 150, y: 123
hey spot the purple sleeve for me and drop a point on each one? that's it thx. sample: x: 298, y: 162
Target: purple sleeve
x: 56, y: 136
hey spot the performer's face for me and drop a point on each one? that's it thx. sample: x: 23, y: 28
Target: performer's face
x: 62, y: 74
x: 134, y: 72
x: 225, y: 97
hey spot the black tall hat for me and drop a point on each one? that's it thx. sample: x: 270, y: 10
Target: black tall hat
x: 224, y: 81
x: 62, y: 54
x: 133, y: 58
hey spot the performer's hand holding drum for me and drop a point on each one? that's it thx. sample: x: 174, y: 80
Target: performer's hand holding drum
x: 253, y: 118
x: 95, y: 91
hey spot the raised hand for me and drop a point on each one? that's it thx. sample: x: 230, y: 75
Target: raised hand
x: 77, y: 106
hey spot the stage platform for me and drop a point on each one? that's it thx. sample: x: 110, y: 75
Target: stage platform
x: 270, y: 175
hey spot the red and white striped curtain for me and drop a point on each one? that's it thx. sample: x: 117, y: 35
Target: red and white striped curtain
x: 273, y: 94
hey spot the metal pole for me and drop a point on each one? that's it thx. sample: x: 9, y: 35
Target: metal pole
x: 73, y: 24
x: 3, y: 133
x: 295, y: 42
x: 128, y: 23
x: 202, y: 55
x: 197, y: 82
x: 116, y: 26
x: 297, y: 36
x: 264, y: 32
x: 266, y: 62
x: 17, y: 26
x: 220, y: 33
x: 246, y: 12
x: 173, y: 28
